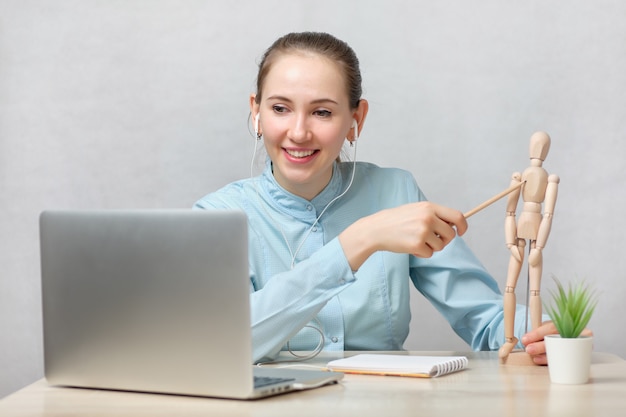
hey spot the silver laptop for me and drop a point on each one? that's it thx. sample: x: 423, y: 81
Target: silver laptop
x: 155, y: 301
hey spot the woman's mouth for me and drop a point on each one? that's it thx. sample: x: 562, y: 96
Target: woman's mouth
x: 299, y: 154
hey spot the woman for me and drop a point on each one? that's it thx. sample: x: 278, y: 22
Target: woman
x: 334, y: 244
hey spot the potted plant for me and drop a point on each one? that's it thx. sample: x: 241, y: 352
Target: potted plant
x: 569, y: 353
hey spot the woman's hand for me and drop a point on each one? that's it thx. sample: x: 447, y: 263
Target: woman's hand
x: 536, y: 347
x: 419, y: 229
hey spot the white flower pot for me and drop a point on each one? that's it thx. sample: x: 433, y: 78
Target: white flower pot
x: 569, y: 360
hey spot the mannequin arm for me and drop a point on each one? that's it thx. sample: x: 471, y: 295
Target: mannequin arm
x: 535, y: 257
x: 510, y: 226
x: 550, y: 203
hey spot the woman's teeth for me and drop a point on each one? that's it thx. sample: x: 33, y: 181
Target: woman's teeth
x: 300, y: 154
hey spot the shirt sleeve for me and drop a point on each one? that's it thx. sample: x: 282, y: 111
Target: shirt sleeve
x: 291, y: 299
x: 460, y: 288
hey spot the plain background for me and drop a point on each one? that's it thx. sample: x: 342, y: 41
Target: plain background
x: 144, y: 104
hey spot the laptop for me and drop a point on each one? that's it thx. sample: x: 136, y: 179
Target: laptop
x: 153, y: 301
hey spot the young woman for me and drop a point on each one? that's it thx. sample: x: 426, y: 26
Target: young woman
x: 334, y: 245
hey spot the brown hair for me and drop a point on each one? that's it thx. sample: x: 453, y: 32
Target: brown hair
x: 320, y: 43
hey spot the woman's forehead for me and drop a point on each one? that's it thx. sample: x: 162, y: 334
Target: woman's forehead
x: 305, y: 73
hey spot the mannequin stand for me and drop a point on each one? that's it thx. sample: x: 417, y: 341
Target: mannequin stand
x: 518, y: 358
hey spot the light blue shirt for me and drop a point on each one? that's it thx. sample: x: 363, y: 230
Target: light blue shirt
x: 364, y: 310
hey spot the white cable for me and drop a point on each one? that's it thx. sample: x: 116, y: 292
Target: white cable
x: 293, y: 258
x: 291, y: 253
x: 320, y: 345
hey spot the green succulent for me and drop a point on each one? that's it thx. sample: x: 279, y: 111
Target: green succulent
x: 572, y: 308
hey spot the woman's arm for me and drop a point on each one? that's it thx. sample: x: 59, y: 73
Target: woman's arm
x: 419, y: 229
x: 289, y: 300
x: 282, y: 303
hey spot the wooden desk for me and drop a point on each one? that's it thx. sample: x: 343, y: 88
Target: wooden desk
x: 485, y: 389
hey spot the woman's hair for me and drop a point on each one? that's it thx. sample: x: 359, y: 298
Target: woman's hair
x: 319, y: 43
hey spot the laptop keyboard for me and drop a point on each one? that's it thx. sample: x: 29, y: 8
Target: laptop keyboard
x: 263, y: 381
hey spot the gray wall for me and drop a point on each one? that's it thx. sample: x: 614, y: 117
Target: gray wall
x: 111, y: 103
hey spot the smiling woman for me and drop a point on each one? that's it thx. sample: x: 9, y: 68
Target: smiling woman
x: 305, y: 117
x: 333, y: 244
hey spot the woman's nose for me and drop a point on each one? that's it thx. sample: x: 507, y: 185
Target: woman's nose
x: 299, y: 131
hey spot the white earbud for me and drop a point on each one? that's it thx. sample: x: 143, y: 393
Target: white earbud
x: 256, y: 126
x: 355, y: 126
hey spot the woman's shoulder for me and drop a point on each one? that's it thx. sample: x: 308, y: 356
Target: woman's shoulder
x: 387, y: 183
x: 375, y: 171
x: 229, y: 196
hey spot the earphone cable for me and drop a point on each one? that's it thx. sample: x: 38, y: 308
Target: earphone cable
x: 293, y: 255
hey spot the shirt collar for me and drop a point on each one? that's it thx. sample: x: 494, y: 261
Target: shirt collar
x: 283, y: 200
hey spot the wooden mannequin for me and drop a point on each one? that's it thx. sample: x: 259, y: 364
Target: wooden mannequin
x: 536, y: 187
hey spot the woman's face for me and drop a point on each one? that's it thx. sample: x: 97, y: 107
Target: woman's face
x: 304, y: 116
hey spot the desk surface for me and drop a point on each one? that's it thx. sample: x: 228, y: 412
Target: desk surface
x: 486, y: 388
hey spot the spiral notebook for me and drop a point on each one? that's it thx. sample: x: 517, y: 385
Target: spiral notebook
x: 399, y: 365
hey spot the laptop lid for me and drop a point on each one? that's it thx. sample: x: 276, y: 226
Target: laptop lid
x: 149, y: 300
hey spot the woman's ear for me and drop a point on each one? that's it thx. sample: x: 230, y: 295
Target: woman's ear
x: 360, y: 114
x: 256, y: 116
x: 254, y: 107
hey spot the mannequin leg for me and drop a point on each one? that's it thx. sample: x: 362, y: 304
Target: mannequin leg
x: 534, y: 288
x: 510, y: 302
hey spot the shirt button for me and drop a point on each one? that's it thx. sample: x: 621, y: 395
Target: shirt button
x: 334, y: 339
x: 342, y: 281
x: 309, y: 207
x: 314, y: 229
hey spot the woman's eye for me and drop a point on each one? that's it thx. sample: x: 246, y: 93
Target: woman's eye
x: 322, y: 113
x: 279, y: 109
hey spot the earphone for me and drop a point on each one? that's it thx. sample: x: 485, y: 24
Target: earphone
x: 256, y: 126
x: 294, y: 253
x: 355, y: 126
